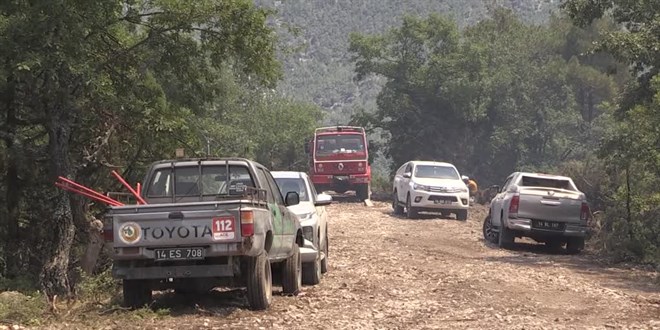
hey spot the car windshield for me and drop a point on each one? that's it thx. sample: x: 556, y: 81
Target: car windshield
x: 209, y: 180
x: 436, y: 172
x: 530, y: 181
x: 293, y: 184
x: 344, y: 143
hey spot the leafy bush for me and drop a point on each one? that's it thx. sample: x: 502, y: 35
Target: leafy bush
x: 18, y: 308
x: 97, y: 288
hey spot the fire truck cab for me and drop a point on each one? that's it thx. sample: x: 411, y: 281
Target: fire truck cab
x: 339, y: 160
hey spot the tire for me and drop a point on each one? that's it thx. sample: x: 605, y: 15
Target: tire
x: 396, y: 206
x: 136, y: 293
x: 259, y: 282
x: 362, y: 191
x: 506, y: 237
x: 411, y: 213
x: 292, y: 273
x: 575, y: 245
x: 462, y: 215
x: 326, y: 251
x: 490, y: 235
x: 312, y: 270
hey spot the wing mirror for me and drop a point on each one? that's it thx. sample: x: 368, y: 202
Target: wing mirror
x: 307, y: 148
x: 323, y: 200
x: 407, y: 175
x: 496, y: 188
x: 292, y: 198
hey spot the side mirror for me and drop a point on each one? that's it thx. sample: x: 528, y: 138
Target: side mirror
x: 292, y: 198
x: 323, y: 200
x: 465, y: 178
x: 496, y: 187
x: 307, y: 148
x: 407, y: 175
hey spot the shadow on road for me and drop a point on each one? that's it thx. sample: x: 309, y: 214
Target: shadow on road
x: 537, y: 255
x: 213, y: 303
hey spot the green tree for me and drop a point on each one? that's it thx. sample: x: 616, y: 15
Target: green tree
x: 80, y: 76
x: 498, y: 96
x: 632, y: 149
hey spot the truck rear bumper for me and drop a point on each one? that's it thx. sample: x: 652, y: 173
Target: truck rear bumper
x: 525, y: 226
x: 190, y: 271
x: 338, y: 179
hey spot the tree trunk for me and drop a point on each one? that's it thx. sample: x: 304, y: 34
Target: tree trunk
x: 94, y: 246
x: 54, y: 276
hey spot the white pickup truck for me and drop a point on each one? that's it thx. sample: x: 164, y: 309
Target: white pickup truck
x: 546, y: 208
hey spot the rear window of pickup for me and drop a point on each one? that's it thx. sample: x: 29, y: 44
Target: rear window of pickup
x: 530, y: 181
x: 200, y: 180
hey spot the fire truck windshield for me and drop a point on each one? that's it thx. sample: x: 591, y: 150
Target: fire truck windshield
x: 341, y: 143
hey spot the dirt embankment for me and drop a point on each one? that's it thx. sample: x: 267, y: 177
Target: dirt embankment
x: 388, y: 272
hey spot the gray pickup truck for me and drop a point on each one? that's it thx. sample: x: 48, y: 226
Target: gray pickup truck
x: 546, y: 208
x: 207, y: 223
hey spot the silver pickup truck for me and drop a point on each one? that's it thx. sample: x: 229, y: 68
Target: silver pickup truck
x: 546, y: 208
x: 207, y: 223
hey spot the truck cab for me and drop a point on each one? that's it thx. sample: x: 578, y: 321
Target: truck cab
x: 339, y: 160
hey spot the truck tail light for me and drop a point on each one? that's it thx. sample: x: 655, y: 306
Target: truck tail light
x: 584, y: 212
x: 515, y: 203
x: 247, y: 223
x: 108, y: 235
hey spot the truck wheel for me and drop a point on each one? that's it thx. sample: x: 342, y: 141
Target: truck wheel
x: 292, y: 272
x: 462, y: 215
x: 312, y: 270
x: 575, y: 245
x: 489, y: 233
x: 411, y: 213
x: 506, y: 237
x: 259, y: 282
x: 362, y: 191
x: 396, y: 206
x: 326, y: 250
x: 137, y: 293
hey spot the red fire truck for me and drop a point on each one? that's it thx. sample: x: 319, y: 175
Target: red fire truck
x: 340, y: 160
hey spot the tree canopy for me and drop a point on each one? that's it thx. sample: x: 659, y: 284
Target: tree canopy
x: 92, y: 86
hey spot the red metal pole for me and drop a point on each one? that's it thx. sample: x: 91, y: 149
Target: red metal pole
x: 79, y: 187
x: 89, y: 195
x: 128, y: 186
x: 139, y: 189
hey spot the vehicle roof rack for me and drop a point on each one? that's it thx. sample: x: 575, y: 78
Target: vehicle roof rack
x: 333, y: 129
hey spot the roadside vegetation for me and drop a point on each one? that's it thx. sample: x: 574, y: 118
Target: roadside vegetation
x: 576, y: 96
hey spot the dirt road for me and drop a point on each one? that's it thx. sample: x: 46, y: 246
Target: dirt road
x: 392, y: 273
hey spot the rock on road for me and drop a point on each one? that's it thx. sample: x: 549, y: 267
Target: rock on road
x: 389, y: 272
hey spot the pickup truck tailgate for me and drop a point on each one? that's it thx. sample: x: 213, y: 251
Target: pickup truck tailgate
x: 153, y: 227
x: 550, y: 204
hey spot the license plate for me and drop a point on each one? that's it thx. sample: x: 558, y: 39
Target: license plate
x: 550, y: 225
x: 442, y: 201
x: 191, y: 253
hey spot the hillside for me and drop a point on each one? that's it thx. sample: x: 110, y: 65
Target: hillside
x: 318, y: 67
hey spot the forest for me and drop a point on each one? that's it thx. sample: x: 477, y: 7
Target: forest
x: 91, y: 87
